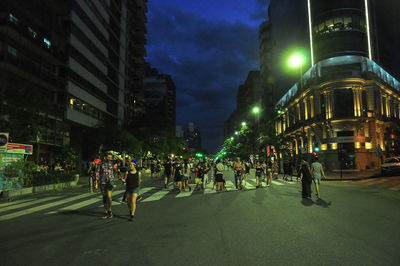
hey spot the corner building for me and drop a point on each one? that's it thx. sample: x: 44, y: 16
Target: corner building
x: 348, y: 102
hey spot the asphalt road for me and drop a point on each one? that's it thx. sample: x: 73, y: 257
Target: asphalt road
x: 355, y: 223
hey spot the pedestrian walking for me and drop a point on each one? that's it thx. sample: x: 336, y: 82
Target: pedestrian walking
x: 167, y: 173
x: 219, y: 178
x: 178, y: 174
x: 305, y: 179
x: 238, y: 168
x: 105, y: 177
x: 246, y: 171
x: 259, y: 174
x: 199, y: 175
x: 186, y: 176
x: 317, y: 172
x: 269, y: 172
x: 132, y: 179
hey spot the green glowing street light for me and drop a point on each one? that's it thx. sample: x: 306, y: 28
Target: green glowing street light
x: 296, y: 60
x: 231, y: 138
x: 243, y: 123
x: 236, y: 133
x: 256, y: 110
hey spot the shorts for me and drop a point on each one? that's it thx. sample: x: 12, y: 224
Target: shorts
x: 107, y: 186
x: 131, y: 191
x: 259, y: 174
x: 178, y: 178
x: 219, y: 178
x: 197, y: 181
x: 317, y: 180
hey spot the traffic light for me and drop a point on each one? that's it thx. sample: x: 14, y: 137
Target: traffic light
x: 279, y: 111
x: 316, y: 149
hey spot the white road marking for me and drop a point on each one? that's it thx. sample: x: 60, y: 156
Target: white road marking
x: 230, y: 185
x: 274, y: 182
x: 156, y: 196
x: 87, y: 202
x: 17, y: 206
x: 42, y: 207
x: 185, y: 193
x: 14, y: 202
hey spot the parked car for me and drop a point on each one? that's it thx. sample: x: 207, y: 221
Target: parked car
x: 391, y: 166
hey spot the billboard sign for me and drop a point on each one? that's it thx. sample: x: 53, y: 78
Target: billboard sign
x: 20, y: 148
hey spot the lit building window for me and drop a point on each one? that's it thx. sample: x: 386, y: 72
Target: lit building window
x: 305, y: 109
x: 324, y: 147
x: 357, y: 145
x: 47, y: 42
x: 312, y: 106
x: 32, y: 32
x: 13, y: 19
x: 368, y: 145
x: 12, y: 50
x: 334, y: 146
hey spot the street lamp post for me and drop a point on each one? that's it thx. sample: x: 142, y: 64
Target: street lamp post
x: 296, y: 61
x: 256, y: 110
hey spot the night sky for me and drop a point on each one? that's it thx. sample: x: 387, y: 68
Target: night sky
x: 208, y: 47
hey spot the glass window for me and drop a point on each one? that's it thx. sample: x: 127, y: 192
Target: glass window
x: 32, y: 32
x: 47, y: 42
x: 12, y: 50
x: 347, y: 22
x: 344, y: 104
x: 13, y: 19
x: 329, y: 24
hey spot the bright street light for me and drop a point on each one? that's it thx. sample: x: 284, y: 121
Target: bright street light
x: 243, y: 123
x: 256, y: 110
x: 296, y: 60
x: 236, y: 133
x: 231, y: 138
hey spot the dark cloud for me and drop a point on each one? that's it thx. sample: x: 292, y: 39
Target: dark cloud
x: 207, y: 59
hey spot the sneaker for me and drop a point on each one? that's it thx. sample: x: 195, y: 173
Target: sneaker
x: 131, y: 217
x: 105, y: 216
x: 110, y: 215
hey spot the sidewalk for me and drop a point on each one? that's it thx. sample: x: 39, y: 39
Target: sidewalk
x: 336, y: 175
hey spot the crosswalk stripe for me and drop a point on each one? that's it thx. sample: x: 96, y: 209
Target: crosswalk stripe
x: 42, y: 207
x: 156, y: 196
x: 141, y: 192
x: 185, y: 193
x: 277, y: 183
x: 17, y: 206
x: 230, y: 185
x: 87, y: 202
x: 14, y: 203
x: 251, y: 184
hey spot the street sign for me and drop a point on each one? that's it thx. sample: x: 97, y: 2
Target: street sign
x: 20, y: 148
x: 3, y: 142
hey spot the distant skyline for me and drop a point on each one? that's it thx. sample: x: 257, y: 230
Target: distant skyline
x: 208, y: 47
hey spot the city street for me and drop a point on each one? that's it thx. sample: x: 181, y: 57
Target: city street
x: 355, y: 223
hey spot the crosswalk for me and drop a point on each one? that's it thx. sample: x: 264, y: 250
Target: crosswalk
x: 57, y: 204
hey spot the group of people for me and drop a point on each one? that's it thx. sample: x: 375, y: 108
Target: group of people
x: 113, y: 167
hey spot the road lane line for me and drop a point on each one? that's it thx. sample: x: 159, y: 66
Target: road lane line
x: 185, y: 194
x: 43, y: 207
x: 277, y: 183
x: 230, y: 186
x: 17, y: 206
x: 14, y: 202
x: 87, y: 202
x: 141, y: 192
x: 156, y: 196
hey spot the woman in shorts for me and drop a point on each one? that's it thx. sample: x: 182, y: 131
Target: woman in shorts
x: 259, y: 174
x: 132, y: 180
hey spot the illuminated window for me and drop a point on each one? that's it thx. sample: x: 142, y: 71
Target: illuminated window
x: 334, y: 146
x: 305, y: 109
x: 47, y: 42
x: 32, y: 32
x: 368, y: 145
x: 324, y: 147
x: 12, y: 50
x: 13, y: 19
x: 312, y: 106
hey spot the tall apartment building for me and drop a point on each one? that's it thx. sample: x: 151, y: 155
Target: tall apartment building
x: 348, y: 102
x: 32, y: 71
x: 84, y: 56
x: 266, y: 74
x: 160, y: 103
x: 248, y: 96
